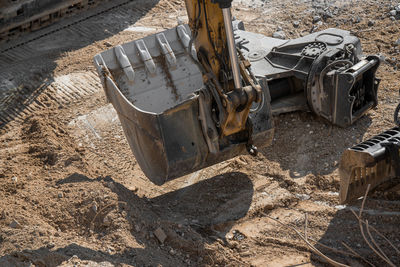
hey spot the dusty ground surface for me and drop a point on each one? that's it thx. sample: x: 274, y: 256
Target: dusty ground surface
x: 71, y: 193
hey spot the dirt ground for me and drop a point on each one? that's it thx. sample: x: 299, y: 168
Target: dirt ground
x: 72, y: 194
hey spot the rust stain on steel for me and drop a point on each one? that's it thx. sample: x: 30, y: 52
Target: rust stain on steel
x: 170, y: 81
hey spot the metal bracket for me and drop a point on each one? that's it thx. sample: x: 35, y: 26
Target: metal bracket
x: 209, y: 130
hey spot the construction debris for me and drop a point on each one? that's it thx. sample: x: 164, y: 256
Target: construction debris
x: 160, y: 234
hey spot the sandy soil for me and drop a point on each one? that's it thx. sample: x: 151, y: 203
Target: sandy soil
x: 72, y: 194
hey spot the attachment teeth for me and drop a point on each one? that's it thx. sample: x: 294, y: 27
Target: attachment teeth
x: 166, y: 49
x: 373, y: 162
x: 146, y: 57
x: 124, y: 63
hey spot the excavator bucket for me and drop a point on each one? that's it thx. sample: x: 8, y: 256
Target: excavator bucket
x: 372, y: 162
x: 156, y: 88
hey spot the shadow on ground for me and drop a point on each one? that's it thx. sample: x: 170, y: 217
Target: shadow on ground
x: 305, y: 144
x: 201, y: 211
x: 344, y: 228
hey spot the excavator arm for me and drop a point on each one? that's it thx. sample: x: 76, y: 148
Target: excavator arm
x: 210, y: 22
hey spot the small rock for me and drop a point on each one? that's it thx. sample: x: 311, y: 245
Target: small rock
x: 15, y: 224
x: 392, y: 18
x: 279, y: 29
x: 94, y: 207
x: 393, y: 12
x: 316, y: 19
x: 107, y: 44
x: 296, y: 23
x: 14, y: 179
x: 172, y: 251
x: 50, y: 245
x: 137, y: 228
x: 238, y: 236
x: 303, y: 196
x: 326, y: 164
x: 340, y: 207
x: 160, y: 234
x: 60, y: 195
x: 397, y: 42
x: 371, y: 23
x: 311, y: 132
x: 106, y: 221
x: 296, y: 174
x: 279, y: 35
x: 327, y: 15
x: 314, y: 28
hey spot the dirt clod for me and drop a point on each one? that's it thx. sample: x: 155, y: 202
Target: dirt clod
x: 15, y: 224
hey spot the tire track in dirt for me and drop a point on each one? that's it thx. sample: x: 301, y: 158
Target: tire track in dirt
x: 63, y: 91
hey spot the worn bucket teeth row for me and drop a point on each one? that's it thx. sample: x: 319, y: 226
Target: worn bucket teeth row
x: 372, y: 162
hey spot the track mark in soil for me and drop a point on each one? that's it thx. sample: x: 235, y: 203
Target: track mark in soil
x: 64, y: 90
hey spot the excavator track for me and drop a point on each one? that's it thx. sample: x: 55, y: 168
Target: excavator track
x: 20, y: 17
x: 62, y: 25
x: 29, y: 56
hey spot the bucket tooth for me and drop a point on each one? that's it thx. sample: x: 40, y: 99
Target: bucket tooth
x: 124, y: 63
x: 146, y: 57
x: 166, y: 50
x: 185, y: 39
